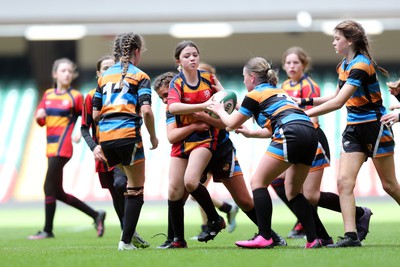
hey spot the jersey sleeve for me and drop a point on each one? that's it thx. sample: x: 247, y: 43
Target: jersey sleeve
x: 144, y: 91
x: 41, y: 121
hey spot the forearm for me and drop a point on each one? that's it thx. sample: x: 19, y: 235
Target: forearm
x: 148, y: 118
x: 175, y: 135
x: 182, y: 108
x: 88, y: 138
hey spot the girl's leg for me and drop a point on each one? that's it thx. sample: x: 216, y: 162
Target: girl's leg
x: 134, y: 198
x: 386, y: 171
x: 349, y: 166
x: 266, y: 171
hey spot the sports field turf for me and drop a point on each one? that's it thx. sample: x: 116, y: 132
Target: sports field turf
x: 77, y: 245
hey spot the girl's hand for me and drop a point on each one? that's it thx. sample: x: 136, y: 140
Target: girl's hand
x: 394, y: 87
x: 390, y: 119
x: 201, y: 126
x: 98, y: 154
x: 154, y: 142
x: 216, y: 107
x: 41, y: 113
x: 218, y: 86
x: 243, y: 130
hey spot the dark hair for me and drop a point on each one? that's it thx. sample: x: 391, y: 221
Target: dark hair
x: 106, y: 57
x: 262, y: 71
x: 301, y: 54
x: 125, y: 45
x: 163, y: 80
x: 354, y: 32
x: 182, y: 45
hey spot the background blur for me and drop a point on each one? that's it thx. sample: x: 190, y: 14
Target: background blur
x: 228, y: 32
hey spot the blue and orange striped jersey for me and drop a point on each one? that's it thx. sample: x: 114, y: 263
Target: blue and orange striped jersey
x: 120, y: 118
x: 62, y: 111
x: 304, y: 88
x: 272, y: 107
x: 181, y: 92
x: 365, y: 105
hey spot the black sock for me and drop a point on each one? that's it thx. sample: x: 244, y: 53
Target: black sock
x: 133, y: 205
x: 226, y: 207
x: 329, y: 201
x: 170, y: 229
x: 78, y: 204
x: 352, y: 235
x: 319, y: 227
x: 201, y: 195
x: 177, y: 219
x: 263, y: 208
x: 279, y: 186
x: 304, y: 212
x: 252, y: 215
x: 359, y: 212
x: 50, y: 210
x: 118, y: 209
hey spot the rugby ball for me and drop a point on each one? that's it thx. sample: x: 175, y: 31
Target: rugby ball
x: 228, y: 98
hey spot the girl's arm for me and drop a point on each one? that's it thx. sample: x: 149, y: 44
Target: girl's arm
x: 175, y: 134
x: 258, y: 133
x: 148, y: 118
x: 334, y: 103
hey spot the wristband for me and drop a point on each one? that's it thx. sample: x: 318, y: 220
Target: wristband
x: 307, y: 101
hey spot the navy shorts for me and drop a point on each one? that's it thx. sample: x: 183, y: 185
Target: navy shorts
x: 372, y: 138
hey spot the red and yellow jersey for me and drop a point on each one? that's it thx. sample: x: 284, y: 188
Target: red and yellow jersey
x: 181, y: 92
x: 120, y: 118
x: 62, y: 111
x: 304, y: 88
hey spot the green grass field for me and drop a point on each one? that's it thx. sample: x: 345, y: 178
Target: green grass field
x: 77, y: 245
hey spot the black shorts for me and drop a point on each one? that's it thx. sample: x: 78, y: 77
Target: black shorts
x: 126, y: 155
x: 372, y: 138
x: 294, y: 143
x: 223, y: 164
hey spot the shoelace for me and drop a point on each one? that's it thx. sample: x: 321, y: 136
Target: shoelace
x: 160, y: 234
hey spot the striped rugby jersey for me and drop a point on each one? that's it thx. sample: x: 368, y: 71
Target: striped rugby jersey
x: 62, y: 111
x: 365, y: 105
x: 272, y: 107
x: 120, y: 118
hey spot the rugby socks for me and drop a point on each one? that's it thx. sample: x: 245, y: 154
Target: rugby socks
x: 352, y: 235
x: 50, y: 210
x: 117, y: 205
x: 78, y: 204
x: 170, y: 229
x: 279, y: 186
x: 176, y: 216
x: 319, y: 227
x: 133, y: 206
x: 304, y: 212
x: 263, y: 208
x: 252, y: 215
x: 202, y: 196
x: 226, y: 207
x: 329, y: 201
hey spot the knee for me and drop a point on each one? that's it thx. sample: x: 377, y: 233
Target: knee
x: 191, y: 185
x: 120, y: 184
x: 245, y: 204
x: 345, y: 185
x: 391, y: 187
